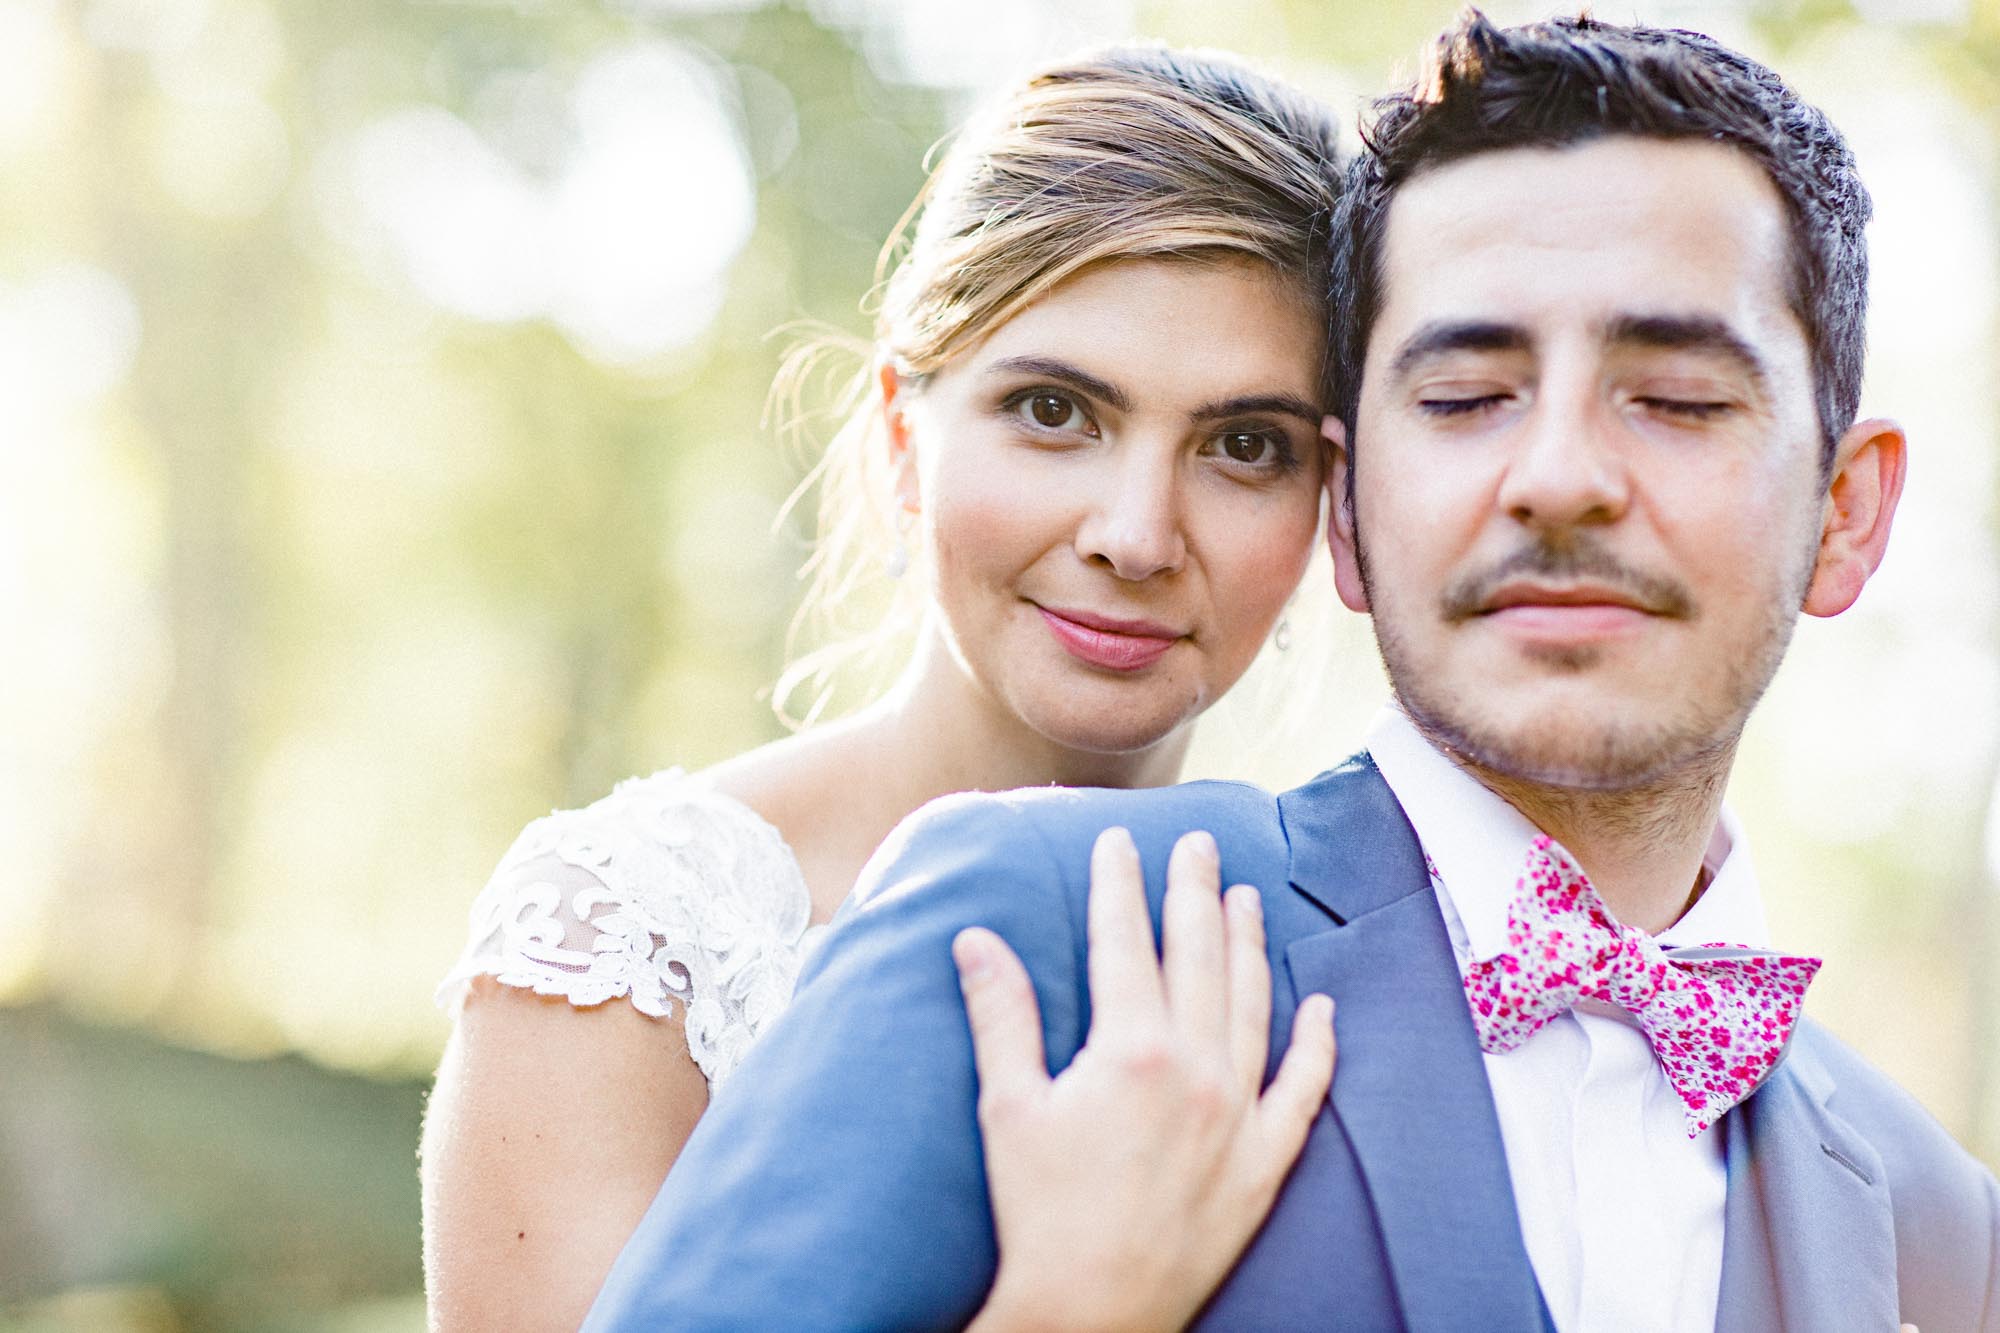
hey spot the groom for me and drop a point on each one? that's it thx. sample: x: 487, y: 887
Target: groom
x: 1599, y: 357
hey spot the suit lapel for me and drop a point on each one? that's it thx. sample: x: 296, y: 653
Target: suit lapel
x: 1809, y: 1236
x: 1410, y: 1092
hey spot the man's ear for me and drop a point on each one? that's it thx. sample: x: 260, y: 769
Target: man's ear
x: 1340, y: 516
x: 1868, y: 466
x: 896, y: 432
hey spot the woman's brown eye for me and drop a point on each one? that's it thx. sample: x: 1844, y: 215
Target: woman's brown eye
x: 1246, y: 448
x: 1051, y: 410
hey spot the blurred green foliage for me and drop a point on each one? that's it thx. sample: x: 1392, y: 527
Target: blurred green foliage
x: 380, y: 582
x: 255, y: 1194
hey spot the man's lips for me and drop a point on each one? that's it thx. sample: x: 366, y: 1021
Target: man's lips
x: 1524, y: 593
x: 1565, y: 611
x: 1110, y: 642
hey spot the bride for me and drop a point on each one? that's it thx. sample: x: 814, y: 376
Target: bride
x: 1090, y: 448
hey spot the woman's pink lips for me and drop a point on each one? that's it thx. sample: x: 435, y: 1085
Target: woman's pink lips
x: 1114, y: 650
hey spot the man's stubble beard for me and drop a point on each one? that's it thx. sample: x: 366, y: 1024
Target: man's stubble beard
x: 1693, y: 749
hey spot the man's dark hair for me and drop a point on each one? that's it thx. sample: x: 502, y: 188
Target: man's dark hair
x: 1571, y: 80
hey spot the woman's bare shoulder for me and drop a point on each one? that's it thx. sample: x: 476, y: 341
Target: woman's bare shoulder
x: 820, y: 790
x: 787, y: 781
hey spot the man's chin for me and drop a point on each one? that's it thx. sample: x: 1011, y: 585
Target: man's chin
x: 1566, y: 751
x: 1605, y: 769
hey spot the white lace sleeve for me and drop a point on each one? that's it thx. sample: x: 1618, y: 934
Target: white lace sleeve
x: 665, y: 893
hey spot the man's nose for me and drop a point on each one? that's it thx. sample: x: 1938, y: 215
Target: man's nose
x: 1568, y: 468
x: 1134, y: 524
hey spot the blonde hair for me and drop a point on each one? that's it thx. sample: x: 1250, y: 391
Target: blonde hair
x: 1125, y: 153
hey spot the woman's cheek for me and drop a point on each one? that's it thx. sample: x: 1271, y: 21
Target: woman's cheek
x: 992, y: 497
x: 980, y: 546
x: 1257, y: 564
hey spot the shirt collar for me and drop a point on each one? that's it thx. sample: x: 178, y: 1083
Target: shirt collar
x: 1477, y: 843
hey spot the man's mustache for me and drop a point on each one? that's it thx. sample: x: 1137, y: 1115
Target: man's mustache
x: 1573, y: 561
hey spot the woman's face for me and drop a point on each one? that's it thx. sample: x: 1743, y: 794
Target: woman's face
x: 1118, y: 490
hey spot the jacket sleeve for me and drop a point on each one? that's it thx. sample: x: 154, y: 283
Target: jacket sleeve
x: 837, y: 1180
x: 1990, y: 1322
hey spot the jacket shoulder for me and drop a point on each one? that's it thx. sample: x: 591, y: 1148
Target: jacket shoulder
x: 1946, y: 1202
x: 1241, y: 817
x: 1896, y: 1124
x: 1069, y: 814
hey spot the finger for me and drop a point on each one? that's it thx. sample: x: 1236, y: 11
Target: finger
x: 1290, y: 1104
x: 1005, y: 1020
x: 1193, y: 958
x: 1124, y: 970
x: 1249, y: 985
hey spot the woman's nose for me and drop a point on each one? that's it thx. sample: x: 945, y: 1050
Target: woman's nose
x: 1133, y: 525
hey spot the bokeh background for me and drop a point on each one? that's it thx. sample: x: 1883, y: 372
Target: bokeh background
x: 383, y: 462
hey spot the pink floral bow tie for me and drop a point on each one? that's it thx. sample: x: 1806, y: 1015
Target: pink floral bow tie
x: 1718, y: 1017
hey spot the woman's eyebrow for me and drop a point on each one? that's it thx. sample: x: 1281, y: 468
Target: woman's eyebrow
x: 1283, y: 404
x: 1064, y: 373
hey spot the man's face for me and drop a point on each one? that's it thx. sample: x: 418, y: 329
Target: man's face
x: 1586, y: 496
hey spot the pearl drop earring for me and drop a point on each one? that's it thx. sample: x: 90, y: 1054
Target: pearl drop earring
x: 897, y: 562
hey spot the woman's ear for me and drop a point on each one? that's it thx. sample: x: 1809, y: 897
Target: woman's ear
x: 1340, y: 517
x: 1868, y: 466
x: 896, y: 432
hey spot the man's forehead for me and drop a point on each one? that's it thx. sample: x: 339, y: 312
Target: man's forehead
x: 1614, y: 223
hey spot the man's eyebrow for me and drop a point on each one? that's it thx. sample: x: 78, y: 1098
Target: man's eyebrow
x: 1472, y: 335
x: 1062, y: 372
x: 1687, y: 333
x: 1281, y: 404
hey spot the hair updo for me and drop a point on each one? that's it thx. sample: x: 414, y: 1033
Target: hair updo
x: 1131, y: 152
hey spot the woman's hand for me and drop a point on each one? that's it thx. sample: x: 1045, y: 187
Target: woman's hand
x: 1125, y: 1188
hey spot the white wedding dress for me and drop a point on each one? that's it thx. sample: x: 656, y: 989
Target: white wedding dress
x: 667, y: 894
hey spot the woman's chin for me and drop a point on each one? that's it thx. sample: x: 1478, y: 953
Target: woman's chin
x: 1125, y: 729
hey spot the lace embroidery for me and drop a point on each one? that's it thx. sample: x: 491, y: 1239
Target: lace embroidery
x: 665, y: 893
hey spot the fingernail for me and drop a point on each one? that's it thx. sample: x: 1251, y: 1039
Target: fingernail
x: 1201, y: 840
x: 1119, y: 838
x: 1245, y: 899
x: 974, y: 959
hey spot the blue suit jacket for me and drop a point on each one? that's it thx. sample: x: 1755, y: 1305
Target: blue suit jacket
x: 837, y: 1182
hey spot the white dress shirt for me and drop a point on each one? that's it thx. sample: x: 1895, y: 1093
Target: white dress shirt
x: 1621, y: 1210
